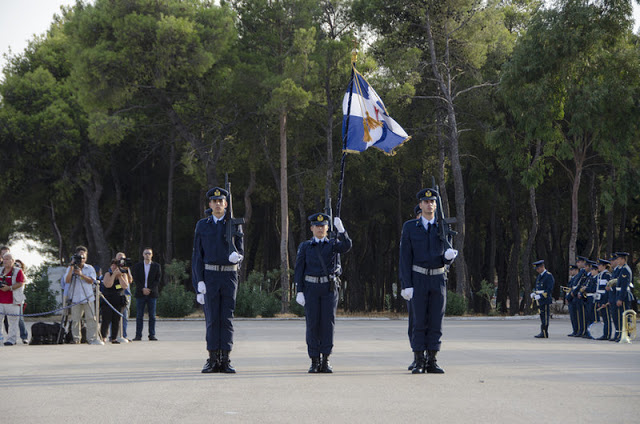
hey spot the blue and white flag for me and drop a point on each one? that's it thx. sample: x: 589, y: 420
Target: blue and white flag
x: 369, y: 124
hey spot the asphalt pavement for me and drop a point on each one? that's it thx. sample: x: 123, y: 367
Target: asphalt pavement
x: 496, y: 372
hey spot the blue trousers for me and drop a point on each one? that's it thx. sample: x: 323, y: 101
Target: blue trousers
x: 545, y: 311
x: 579, y: 305
x: 150, y: 303
x: 589, y: 313
x: 410, y: 329
x: 320, y: 314
x: 428, y: 305
x: 573, y: 315
x: 605, y: 315
x: 219, y: 304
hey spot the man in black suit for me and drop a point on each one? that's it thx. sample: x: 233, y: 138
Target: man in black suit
x: 146, y: 276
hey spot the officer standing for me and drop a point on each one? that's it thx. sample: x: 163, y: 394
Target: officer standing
x: 315, y: 277
x: 602, y: 299
x: 542, y: 294
x: 417, y: 212
x: 623, y: 289
x: 215, y: 278
x: 422, y: 268
x: 577, y: 297
x: 589, y: 299
x: 612, y: 295
x: 571, y: 301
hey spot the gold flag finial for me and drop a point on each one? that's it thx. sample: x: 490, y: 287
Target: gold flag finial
x: 354, y: 52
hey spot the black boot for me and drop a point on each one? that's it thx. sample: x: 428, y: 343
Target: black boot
x: 315, y: 365
x: 225, y: 363
x: 212, y: 364
x: 412, y: 365
x: 326, y: 365
x: 420, y: 361
x: 432, y: 364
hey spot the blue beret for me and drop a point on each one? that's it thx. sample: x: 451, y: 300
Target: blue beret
x: 217, y: 193
x: 427, y: 194
x: 319, y: 219
x: 538, y: 263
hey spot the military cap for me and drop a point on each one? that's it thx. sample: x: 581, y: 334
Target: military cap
x: 603, y: 262
x: 427, y: 194
x: 417, y: 210
x: 573, y: 266
x: 217, y: 193
x: 594, y: 265
x: 582, y: 258
x: 613, y: 256
x: 538, y: 263
x: 319, y: 219
x: 622, y: 254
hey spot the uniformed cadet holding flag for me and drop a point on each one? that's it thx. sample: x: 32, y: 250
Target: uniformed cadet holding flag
x: 542, y: 295
x: 422, y: 267
x: 315, y: 274
x: 215, y: 278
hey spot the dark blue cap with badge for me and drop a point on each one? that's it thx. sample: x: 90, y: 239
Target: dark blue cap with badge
x: 217, y: 193
x: 581, y: 258
x: 603, y: 262
x: 594, y: 265
x: 573, y: 266
x: 319, y: 219
x: 613, y: 256
x: 417, y: 210
x: 622, y: 254
x: 427, y: 194
x: 538, y: 263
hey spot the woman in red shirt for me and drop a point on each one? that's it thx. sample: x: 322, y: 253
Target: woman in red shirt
x: 11, y: 296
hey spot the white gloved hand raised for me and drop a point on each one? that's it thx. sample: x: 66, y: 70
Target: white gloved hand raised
x: 337, y: 222
x: 533, y: 295
x: 407, y: 293
x: 201, y: 287
x: 200, y: 298
x: 450, y: 254
x: 235, y: 257
x: 537, y: 297
x: 300, y: 298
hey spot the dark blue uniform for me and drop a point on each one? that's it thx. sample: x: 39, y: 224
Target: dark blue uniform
x: 623, y: 294
x: 613, y: 298
x: 578, y: 301
x: 422, y: 267
x: 544, y: 289
x: 590, y: 304
x: 211, y: 250
x: 602, y: 304
x: 573, y: 281
x: 321, y: 297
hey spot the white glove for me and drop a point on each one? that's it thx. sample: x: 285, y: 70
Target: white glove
x: 300, y: 298
x: 337, y: 222
x: 202, y: 288
x: 450, y: 254
x: 537, y: 297
x: 200, y: 298
x: 532, y: 295
x: 407, y: 293
x: 235, y: 257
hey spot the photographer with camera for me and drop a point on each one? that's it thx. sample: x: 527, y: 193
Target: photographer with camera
x: 115, y: 282
x: 80, y: 278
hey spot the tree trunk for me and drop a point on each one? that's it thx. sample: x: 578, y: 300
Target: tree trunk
x: 579, y: 158
x: 284, y: 213
x: 98, y: 247
x: 512, y: 271
x: 168, y: 255
x: 248, y: 213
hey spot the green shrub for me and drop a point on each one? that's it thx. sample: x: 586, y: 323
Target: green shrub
x: 248, y: 300
x: 296, y: 308
x: 38, y: 297
x: 259, y: 295
x: 175, y: 301
x: 456, y: 304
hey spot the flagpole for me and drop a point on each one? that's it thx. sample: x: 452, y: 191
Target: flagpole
x: 346, y: 134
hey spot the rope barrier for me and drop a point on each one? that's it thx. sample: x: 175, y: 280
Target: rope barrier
x: 66, y: 307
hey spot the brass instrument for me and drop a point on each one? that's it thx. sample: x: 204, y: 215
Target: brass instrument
x: 612, y: 282
x: 629, y: 319
x: 565, y: 289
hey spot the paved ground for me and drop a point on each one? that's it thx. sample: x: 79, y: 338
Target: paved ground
x: 495, y: 373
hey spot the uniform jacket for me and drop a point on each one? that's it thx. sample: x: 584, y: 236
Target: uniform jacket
x: 603, y: 279
x: 308, y: 262
x: 544, y: 287
x: 623, y: 291
x: 153, y: 280
x: 419, y: 248
x: 210, y: 247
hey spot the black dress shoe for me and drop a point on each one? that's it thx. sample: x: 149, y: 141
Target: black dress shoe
x: 412, y: 365
x: 225, y: 363
x: 571, y: 335
x: 153, y: 338
x: 602, y: 338
x: 213, y: 363
x: 137, y: 339
x: 432, y: 365
x: 325, y: 366
x: 421, y: 363
x: 315, y: 366
x: 539, y: 336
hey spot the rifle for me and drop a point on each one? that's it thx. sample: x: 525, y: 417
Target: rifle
x: 337, y: 270
x: 445, y: 232
x: 233, y: 228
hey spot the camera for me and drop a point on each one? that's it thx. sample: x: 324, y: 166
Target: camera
x: 124, y: 263
x: 75, y: 260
